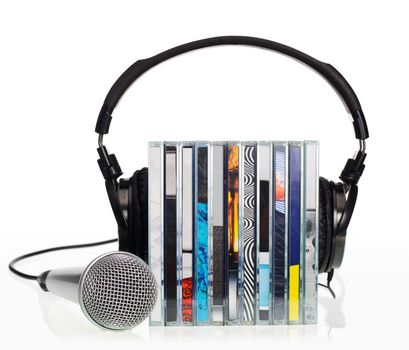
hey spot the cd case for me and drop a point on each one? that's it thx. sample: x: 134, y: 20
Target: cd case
x: 233, y: 228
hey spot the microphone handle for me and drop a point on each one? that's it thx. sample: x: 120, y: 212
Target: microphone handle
x: 63, y: 282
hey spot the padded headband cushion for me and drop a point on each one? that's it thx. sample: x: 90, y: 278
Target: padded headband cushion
x: 138, y: 218
x: 326, y: 223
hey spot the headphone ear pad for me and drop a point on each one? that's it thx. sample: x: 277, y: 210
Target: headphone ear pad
x: 138, y: 214
x: 326, y: 213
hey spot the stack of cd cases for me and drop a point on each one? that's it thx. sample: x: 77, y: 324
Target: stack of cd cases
x: 233, y: 232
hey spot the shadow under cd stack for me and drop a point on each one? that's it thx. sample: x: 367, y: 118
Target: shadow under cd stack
x: 233, y: 232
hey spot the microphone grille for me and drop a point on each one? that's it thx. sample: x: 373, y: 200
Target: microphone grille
x: 117, y: 291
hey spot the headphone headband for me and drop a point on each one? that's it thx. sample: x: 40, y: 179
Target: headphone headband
x: 335, y: 79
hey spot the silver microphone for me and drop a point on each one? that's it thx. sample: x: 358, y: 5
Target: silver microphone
x: 116, y: 291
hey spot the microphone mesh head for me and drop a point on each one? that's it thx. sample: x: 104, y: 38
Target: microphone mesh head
x: 117, y: 291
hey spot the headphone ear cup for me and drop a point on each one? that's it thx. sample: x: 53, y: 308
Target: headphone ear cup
x: 138, y: 214
x: 326, y: 224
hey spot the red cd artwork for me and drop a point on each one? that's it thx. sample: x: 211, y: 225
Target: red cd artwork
x: 187, y: 291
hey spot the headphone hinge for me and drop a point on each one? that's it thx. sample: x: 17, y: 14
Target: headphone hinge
x: 108, y: 164
x: 353, y: 169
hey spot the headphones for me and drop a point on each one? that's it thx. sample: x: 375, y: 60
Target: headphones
x: 129, y: 197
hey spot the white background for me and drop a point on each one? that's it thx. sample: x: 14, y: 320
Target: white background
x: 58, y: 60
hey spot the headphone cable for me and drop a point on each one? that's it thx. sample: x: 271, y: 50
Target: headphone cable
x: 330, y: 275
x: 48, y: 250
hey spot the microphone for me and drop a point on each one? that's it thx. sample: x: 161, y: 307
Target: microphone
x: 116, y: 291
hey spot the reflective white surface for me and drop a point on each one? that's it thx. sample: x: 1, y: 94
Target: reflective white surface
x: 358, y: 318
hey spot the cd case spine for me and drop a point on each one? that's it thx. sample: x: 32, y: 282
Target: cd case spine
x: 155, y: 226
x: 185, y: 243
x: 247, y: 232
x: 310, y: 233
x: 280, y: 233
x: 170, y: 235
x: 232, y: 224
x: 201, y: 212
x: 217, y: 232
x: 263, y: 233
x: 295, y: 249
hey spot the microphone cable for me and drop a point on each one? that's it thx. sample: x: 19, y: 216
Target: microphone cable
x: 48, y: 250
x: 94, y: 244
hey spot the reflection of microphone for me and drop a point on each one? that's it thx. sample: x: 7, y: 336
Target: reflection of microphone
x: 116, y: 291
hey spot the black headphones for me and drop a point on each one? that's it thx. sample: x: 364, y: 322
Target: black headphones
x: 129, y: 197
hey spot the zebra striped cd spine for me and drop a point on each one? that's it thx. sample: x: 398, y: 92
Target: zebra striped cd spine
x: 247, y: 254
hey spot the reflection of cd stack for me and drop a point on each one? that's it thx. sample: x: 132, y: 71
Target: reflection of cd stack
x: 233, y: 232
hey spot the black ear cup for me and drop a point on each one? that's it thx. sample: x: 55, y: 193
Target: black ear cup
x: 138, y: 214
x: 339, y: 232
x: 326, y: 212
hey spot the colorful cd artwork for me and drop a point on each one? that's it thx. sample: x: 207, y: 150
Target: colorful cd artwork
x: 232, y: 232
x: 279, y: 235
